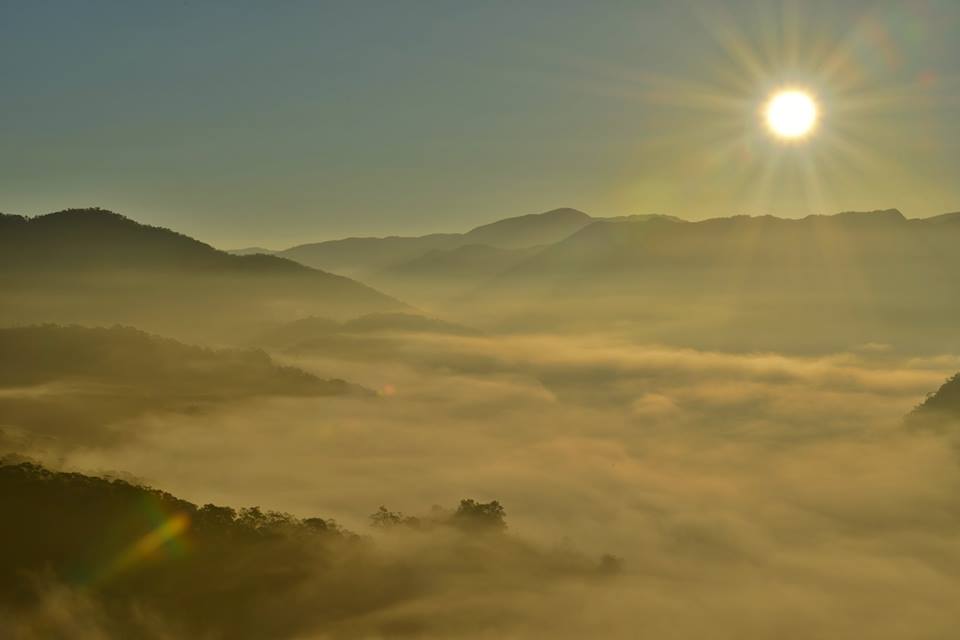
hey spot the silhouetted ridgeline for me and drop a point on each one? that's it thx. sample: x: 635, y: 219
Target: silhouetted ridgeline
x: 445, y: 277
x: 96, y: 238
x: 90, y: 555
x: 75, y: 382
x: 366, y: 257
x: 940, y: 406
x: 94, y: 267
x: 819, y: 284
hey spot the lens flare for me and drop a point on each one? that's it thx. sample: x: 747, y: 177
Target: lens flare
x: 165, y: 538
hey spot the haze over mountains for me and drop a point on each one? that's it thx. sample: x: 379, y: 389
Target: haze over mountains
x: 94, y: 266
x: 652, y: 400
x: 821, y: 282
x: 66, y: 386
x: 495, y: 416
x: 439, y: 268
x: 368, y: 257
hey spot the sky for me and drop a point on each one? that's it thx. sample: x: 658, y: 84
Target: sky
x: 272, y: 124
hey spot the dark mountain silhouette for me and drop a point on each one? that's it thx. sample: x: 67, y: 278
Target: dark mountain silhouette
x: 945, y: 218
x: 96, y: 239
x: 77, y: 383
x: 148, y: 562
x: 94, y: 267
x: 79, y: 531
x: 363, y: 257
x: 756, y: 282
x: 940, y: 406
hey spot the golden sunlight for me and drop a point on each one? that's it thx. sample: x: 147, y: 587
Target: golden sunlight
x: 791, y: 114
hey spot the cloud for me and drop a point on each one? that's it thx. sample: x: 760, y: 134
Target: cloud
x: 749, y: 495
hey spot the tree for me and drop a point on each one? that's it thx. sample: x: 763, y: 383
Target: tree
x: 383, y: 518
x: 480, y: 516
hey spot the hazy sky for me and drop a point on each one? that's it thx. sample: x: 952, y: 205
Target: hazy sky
x: 277, y: 123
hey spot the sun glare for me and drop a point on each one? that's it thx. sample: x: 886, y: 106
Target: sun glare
x: 791, y: 114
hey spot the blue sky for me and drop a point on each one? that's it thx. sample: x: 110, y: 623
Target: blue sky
x: 277, y: 123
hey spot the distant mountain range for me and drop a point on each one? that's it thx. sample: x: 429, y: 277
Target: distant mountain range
x: 821, y: 282
x: 363, y: 257
x: 98, y: 267
x: 435, y: 269
x: 744, y: 282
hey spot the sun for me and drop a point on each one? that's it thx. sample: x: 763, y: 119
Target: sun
x: 791, y: 113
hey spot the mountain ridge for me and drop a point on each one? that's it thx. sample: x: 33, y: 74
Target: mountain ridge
x: 363, y: 256
x: 848, y: 279
x: 93, y: 266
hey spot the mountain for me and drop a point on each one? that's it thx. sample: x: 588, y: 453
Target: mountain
x: 440, y: 276
x: 944, y: 218
x: 944, y: 404
x: 102, y: 557
x: 362, y: 257
x: 208, y: 571
x: 529, y: 230
x: 250, y: 251
x: 75, y: 384
x: 358, y: 257
x: 744, y: 282
x: 97, y: 267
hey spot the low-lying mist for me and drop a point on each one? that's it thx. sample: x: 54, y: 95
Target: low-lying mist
x: 739, y: 495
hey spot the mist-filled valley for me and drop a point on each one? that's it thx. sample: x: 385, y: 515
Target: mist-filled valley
x: 480, y: 320
x: 619, y: 428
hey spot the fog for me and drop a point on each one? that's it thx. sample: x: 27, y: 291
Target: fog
x: 743, y: 495
x: 647, y: 428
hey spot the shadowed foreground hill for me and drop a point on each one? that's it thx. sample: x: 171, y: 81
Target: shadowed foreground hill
x: 97, y: 267
x: 97, y: 558
x: 73, y: 382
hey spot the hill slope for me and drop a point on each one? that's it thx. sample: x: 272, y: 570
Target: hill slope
x: 441, y: 276
x: 944, y: 404
x: 529, y: 230
x: 363, y: 257
x: 94, y: 267
x: 76, y: 384
x: 94, y: 557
